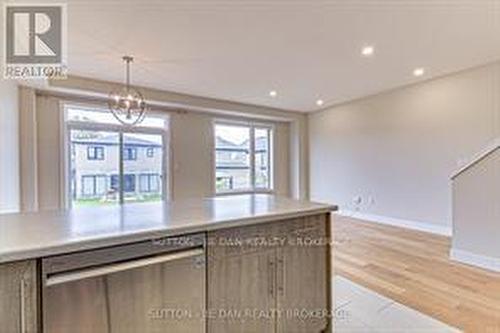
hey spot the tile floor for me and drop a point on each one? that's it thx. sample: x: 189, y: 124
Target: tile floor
x: 361, y: 310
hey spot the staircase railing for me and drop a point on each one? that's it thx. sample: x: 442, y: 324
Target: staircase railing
x: 488, y: 150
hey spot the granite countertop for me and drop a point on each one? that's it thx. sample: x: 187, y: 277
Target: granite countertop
x: 36, y: 235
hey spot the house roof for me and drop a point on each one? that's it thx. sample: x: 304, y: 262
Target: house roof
x: 260, y: 144
x: 113, y: 139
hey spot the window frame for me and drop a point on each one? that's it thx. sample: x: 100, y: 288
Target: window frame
x: 121, y: 130
x: 131, y: 154
x: 150, y: 178
x: 252, y: 125
x: 129, y: 178
x: 94, y: 178
x: 95, y: 156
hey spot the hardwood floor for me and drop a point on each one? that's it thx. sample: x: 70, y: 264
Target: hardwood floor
x: 413, y: 268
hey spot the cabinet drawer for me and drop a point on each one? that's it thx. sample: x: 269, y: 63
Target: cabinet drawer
x: 312, y: 226
x: 244, y: 240
x: 91, y: 258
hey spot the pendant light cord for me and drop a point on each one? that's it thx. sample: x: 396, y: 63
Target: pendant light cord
x: 128, y: 60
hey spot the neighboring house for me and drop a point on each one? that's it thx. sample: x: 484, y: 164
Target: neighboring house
x: 95, y: 166
x: 233, y: 165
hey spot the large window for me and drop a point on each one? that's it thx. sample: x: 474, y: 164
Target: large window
x: 243, y: 160
x: 111, y: 164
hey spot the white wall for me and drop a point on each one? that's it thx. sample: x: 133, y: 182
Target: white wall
x: 49, y: 162
x: 9, y: 147
x: 397, y: 150
x: 192, y: 155
x: 191, y: 152
x: 476, y: 211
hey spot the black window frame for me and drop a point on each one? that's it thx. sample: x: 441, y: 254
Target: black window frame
x: 129, y: 153
x: 150, y: 152
x: 129, y: 182
x: 95, y: 153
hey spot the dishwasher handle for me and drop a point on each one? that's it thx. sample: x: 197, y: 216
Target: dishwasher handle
x: 66, y: 277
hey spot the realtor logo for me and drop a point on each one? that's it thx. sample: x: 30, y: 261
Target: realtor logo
x: 35, y: 41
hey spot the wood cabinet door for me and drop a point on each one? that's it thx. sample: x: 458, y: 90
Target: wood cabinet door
x: 241, y: 282
x: 280, y: 269
x: 18, y: 297
x: 302, y: 277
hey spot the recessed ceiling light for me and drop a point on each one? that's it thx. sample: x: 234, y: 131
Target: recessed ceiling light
x: 418, y: 71
x: 320, y: 102
x: 368, y: 51
x: 273, y: 93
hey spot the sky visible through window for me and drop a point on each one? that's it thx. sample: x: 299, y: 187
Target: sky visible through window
x: 235, y: 134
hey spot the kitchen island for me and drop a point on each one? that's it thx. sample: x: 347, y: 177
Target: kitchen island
x: 243, y: 263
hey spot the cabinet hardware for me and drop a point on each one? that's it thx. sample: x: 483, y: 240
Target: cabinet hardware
x: 22, y: 305
x: 270, y: 274
x: 281, y: 276
x: 61, y: 278
x: 199, y: 262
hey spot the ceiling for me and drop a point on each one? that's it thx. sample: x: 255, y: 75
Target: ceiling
x: 305, y: 49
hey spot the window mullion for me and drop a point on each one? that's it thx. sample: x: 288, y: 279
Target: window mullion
x: 165, y: 159
x: 252, y: 156
x: 121, y: 168
x: 270, y: 167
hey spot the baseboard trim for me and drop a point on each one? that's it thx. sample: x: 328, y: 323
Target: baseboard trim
x: 469, y: 258
x: 408, y: 224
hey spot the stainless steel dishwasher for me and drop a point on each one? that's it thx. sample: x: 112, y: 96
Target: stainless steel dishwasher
x: 152, y: 286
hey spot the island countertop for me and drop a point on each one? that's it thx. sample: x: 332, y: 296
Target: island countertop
x: 41, y: 234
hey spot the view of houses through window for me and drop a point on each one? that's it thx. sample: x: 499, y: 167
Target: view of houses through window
x: 242, y: 157
x: 111, y: 164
